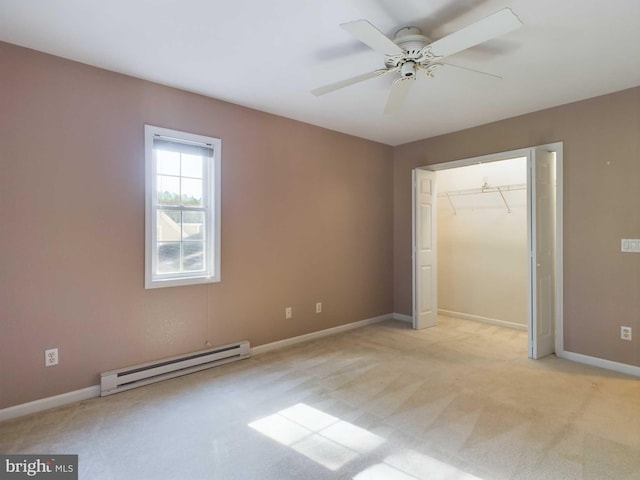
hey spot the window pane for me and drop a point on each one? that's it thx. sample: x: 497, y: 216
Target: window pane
x: 191, y: 192
x: 192, y: 226
x: 191, y: 165
x: 182, y: 169
x: 168, y: 163
x: 168, y: 190
x: 168, y: 225
x: 168, y: 260
x: 193, y: 256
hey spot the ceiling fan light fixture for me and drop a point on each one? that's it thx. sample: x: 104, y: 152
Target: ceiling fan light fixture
x: 408, y: 70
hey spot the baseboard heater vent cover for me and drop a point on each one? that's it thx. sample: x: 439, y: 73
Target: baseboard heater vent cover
x: 138, y: 375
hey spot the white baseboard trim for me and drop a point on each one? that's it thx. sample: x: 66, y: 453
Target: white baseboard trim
x: 267, y: 347
x: 94, y: 391
x: 49, y: 402
x: 478, y: 318
x: 600, y: 362
x: 402, y: 317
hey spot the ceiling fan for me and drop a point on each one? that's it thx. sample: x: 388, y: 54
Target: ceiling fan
x: 411, y: 52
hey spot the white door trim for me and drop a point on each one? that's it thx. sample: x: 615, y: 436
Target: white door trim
x: 524, y: 152
x: 539, y: 179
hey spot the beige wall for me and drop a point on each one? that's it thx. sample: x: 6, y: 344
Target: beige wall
x: 306, y: 217
x: 601, y: 205
x: 482, y: 247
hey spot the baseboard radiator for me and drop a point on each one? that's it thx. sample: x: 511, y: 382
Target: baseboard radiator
x: 138, y: 375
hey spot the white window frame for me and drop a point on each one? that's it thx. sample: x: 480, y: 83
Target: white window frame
x: 211, y: 201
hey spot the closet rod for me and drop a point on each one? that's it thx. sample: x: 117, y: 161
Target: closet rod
x: 475, y: 191
x: 500, y: 189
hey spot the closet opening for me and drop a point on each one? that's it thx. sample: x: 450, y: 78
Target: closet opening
x: 482, y: 242
x: 487, y: 243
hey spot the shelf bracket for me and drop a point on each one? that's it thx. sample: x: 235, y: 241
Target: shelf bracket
x: 451, y: 203
x: 504, y: 199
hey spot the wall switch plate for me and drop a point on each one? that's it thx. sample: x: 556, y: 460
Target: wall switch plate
x: 630, y: 245
x: 288, y: 312
x: 318, y: 307
x: 51, y: 357
x: 625, y: 333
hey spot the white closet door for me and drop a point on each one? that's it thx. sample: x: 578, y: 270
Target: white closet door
x: 425, y: 280
x: 543, y: 255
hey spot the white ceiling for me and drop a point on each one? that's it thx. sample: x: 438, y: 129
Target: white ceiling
x: 268, y: 55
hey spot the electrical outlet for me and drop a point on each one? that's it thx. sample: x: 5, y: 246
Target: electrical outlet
x: 51, y: 357
x: 288, y: 312
x: 318, y: 307
x: 625, y: 333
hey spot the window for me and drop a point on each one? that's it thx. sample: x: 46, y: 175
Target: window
x: 182, y: 208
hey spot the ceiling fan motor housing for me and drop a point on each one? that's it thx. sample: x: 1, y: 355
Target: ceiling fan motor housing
x: 411, y: 40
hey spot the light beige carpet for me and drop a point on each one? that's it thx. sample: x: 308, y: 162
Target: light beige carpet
x: 459, y: 401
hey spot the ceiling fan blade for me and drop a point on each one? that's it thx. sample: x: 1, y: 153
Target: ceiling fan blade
x: 372, y: 37
x: 473, y: 70
x: 398, y: 93
x: 350, y: 81
x: 500, y: 23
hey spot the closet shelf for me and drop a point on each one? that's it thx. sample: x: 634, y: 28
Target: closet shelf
x: 500, y: 189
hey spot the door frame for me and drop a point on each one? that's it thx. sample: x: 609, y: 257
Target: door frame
x: 531, y: 244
